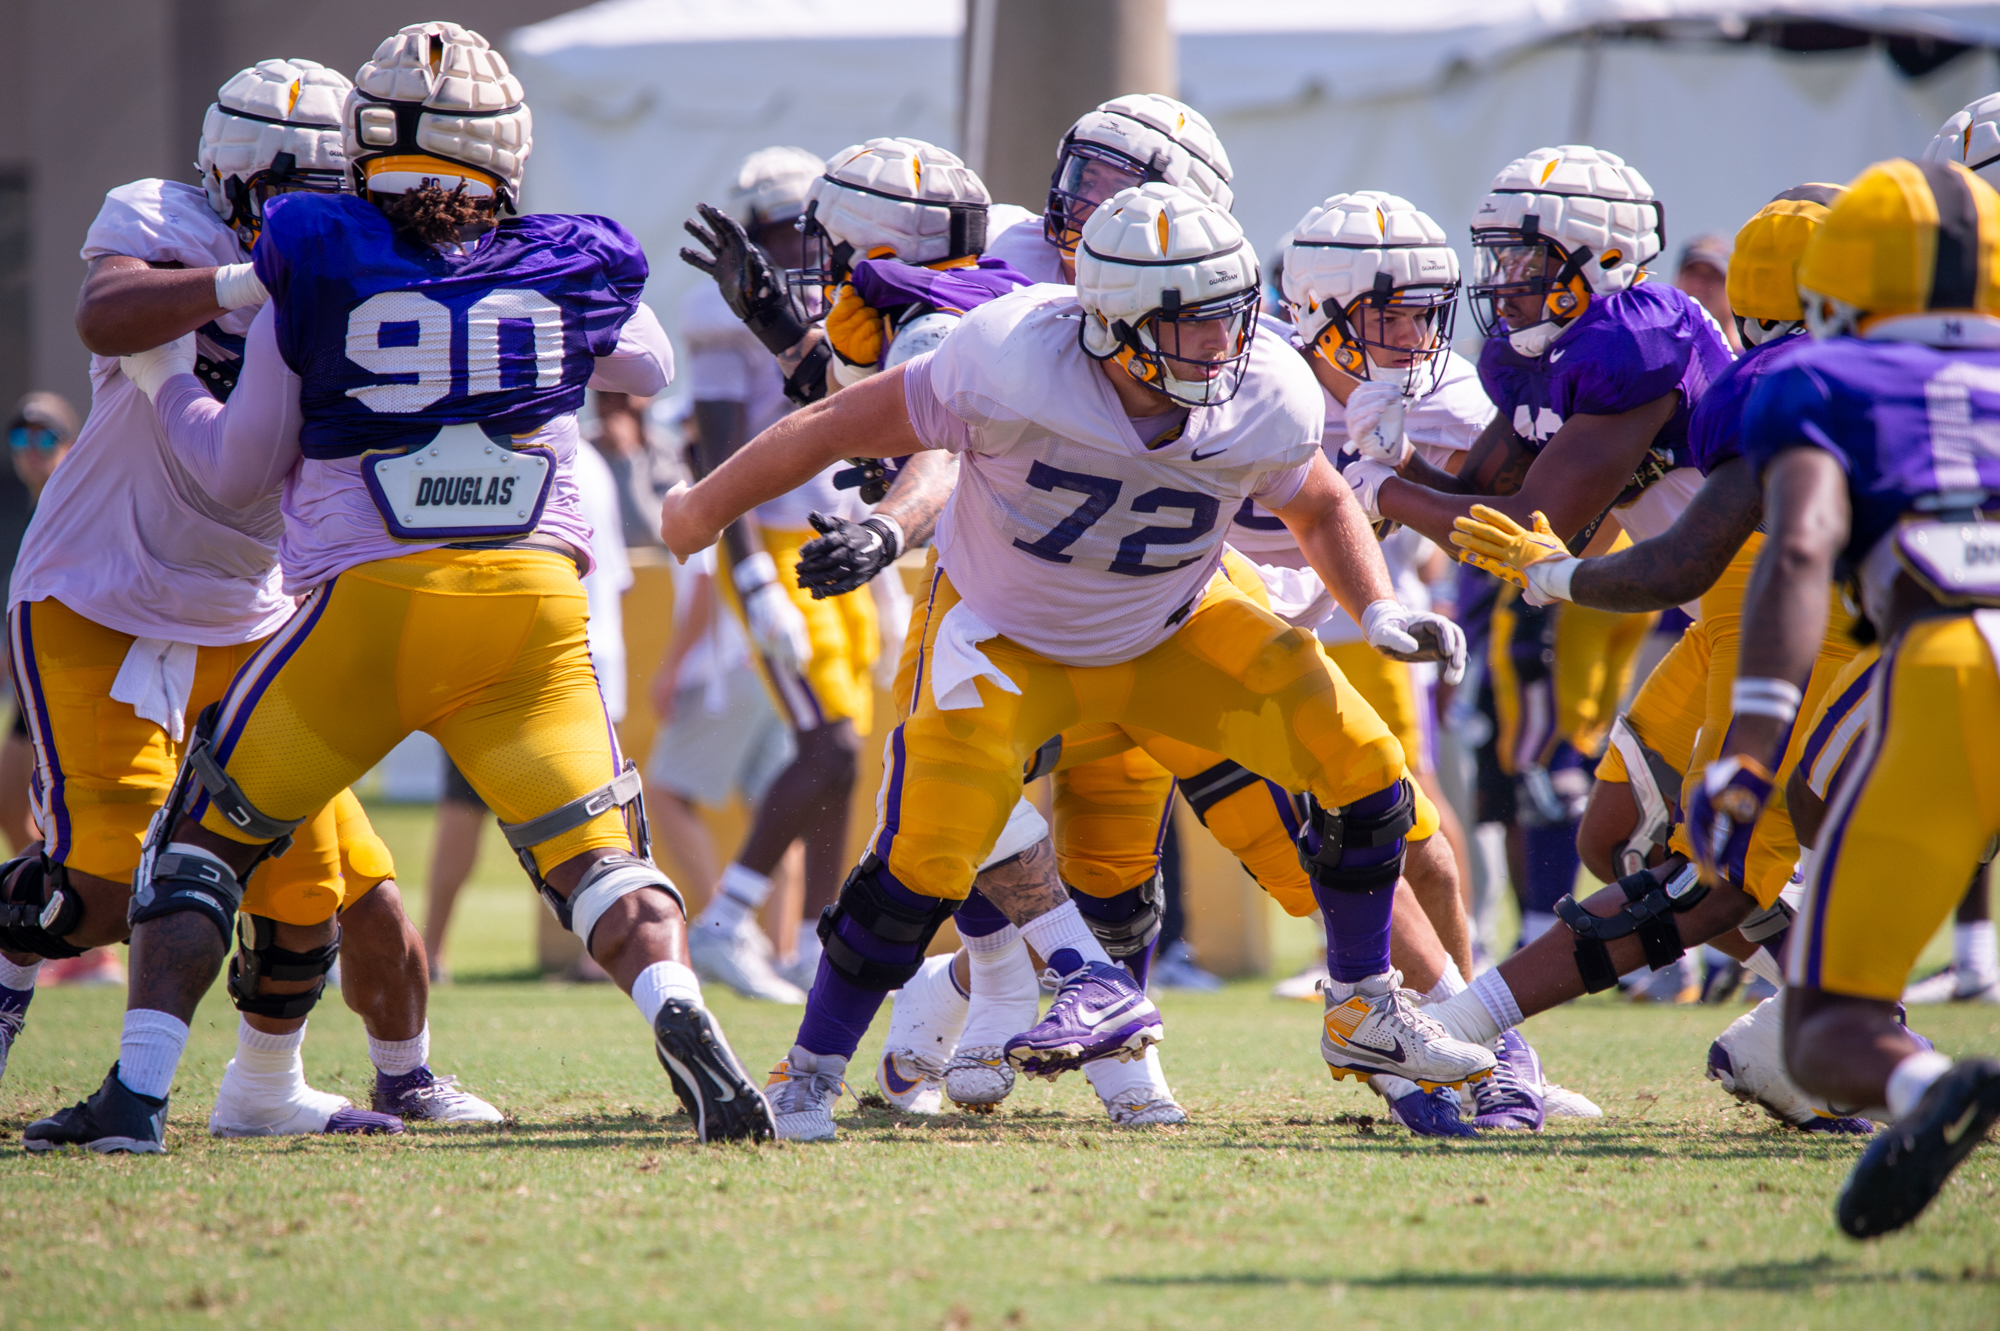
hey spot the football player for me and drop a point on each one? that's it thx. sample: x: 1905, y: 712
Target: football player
x: 1874, y: 443
x: 414, y: 380
x: 123, y: 633
x: 1114, y: 629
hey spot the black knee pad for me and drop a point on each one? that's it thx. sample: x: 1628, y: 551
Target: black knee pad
x: 864, y: 901
x: 1648, y: 911
x: 1139, y: 924
x: 1341, y: 831
x: 171, y: 882
x: 38, y: 908
x: 258, y: 957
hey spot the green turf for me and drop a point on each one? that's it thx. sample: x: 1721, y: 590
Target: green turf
x: 1284, y: 1203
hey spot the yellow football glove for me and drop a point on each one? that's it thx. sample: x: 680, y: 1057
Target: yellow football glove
x: 1536, y: 561
x: 1502, y: 571
x: 856, y: 330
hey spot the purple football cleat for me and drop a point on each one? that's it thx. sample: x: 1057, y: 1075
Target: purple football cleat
x: 1425, y: 1113
x: 1512, y: 1097
x: 1100, y: 1012
x: 429, y: 1098
x: 353, y: 1122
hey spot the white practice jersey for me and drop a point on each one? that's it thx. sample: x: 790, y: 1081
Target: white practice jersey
x: 1016, y: 235
x: 1065, y: 532
x: 1442, y: 425
x: 123, y: 535
x: 726, y: 363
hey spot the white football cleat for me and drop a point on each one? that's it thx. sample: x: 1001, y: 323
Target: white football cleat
x: 1952, y: 985
x: 280, y: 1104
x: 1748, y: 1058
x: 1561, y: 1102
x: 925, y: 1018
x: 978, y: 1078
x: 1375, y: 1026
x: 1304, y: 986
x: 1135, y: 1092
x: 739, y: 959
x: 802, y: 1091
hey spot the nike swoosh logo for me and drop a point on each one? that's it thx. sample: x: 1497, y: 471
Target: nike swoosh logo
x: 1092, y: 1020
x: 1953, y: 1131
x: 1557, y: 355
x: 724, y: 1091
x: 1203, y: 457
x: 898, y: 1084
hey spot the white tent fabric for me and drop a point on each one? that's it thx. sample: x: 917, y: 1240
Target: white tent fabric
x: 643, y: 107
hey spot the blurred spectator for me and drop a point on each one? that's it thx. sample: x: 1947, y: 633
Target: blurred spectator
x: 461, y: 813
x: 1703, y: 273
x: 641, y: 465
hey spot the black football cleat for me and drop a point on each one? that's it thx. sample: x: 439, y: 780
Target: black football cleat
x: 115, y: 1118
x: 712, y: 1085
x: 1908, y: 1162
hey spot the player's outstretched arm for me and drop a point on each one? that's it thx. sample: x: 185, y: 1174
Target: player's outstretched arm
x: 1334, y: 535
x: 239, y: 451
x: 1572, y: 480
x: 127, y: 305
x: 869, y: 420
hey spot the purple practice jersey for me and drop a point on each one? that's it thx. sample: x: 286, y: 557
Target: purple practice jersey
x: 392, y: 341
x: 1622, y: 352
x: 1715, y: 431
x: 890, y: 284
x: 1904, y: 420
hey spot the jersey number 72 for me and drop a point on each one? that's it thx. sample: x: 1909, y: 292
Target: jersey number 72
x: 1100, y: 493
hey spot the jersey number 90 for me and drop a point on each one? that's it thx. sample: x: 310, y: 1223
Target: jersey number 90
x: 407, y: 336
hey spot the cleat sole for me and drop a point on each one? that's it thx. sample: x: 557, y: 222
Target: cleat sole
x: 707, y: 1078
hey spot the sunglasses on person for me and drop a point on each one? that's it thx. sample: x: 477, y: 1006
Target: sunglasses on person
x: 38, y: 437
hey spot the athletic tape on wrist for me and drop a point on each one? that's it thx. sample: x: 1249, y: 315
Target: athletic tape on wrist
x: 898, y: 542
x: 1753, y: 695
x: 236, y: 285
x: 1551, y: 577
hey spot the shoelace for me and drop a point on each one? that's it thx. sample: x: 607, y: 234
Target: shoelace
x: 812, y: 1090
x: 438, y: 1088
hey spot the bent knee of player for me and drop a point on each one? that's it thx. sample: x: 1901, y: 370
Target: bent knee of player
x: 1609, y: 818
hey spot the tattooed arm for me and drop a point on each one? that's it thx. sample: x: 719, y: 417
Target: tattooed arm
x: 1683, y: 561
x: 918, y: 496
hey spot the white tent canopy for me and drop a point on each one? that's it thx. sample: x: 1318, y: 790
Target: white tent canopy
x: 643, y: 107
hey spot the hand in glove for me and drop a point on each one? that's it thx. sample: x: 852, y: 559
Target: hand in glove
x: 752, y: 285
x: 1536, y: 560
x: 1722, y: 812
x: 149, y: 370
x: 847, y: 554
x: 1375, y: 423
x: 1365, y: 476
x: 856, y: 330
x: 777, y: 629
x: 1395, y: 630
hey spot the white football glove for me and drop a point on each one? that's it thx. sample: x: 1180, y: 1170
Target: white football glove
x: 1365, y: 476
x: 148, y: 370
x: 237, y: 285
x: 776, y: 627
x: 1397, y: 631
x: 1375, y: 423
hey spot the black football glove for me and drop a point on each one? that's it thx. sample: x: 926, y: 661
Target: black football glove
x: 846, y: 554
x: 752, y: 285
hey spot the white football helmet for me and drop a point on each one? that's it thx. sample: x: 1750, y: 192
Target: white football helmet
x: 1971, y: 137
x: 273, y: 128
x: 1373, y: 283
x: 1129, y: 141
x: 887, y: 198
x: 1559, y: 226
x: 437, y: 104
x: 772, y: 186
x: 1170, y: 290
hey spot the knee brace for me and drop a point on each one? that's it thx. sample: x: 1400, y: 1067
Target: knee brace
x: 38, y: 909
x: 1648, y: 911
x: 623, y: 792
x: 171, y: 881
x: 1655, y: 789
x: 901, y: 926
x: 1330, y: 833
x: 605, y: 882
x: 1125, y: 924
x: 259, y: 957
x: 1206, y: 789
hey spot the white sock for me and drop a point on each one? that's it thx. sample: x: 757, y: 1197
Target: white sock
x: 1062, y: 928
x: 1912, y: 1077
x: 659, y: 982
x: 1535, y: 923
x: 397, y: 1058
x: 150, y: 1050
x: 18, y: 978
x: 1765, y: 967
x: 1448, y: 984
x: 1006, y: 999
x: 1974, y: 951
x: 740, y: 895
x: 1111, y: 1078
x: 1468, y: 1016
x: 263, y: 1054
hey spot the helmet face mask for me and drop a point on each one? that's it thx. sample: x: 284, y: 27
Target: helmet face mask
x: 824, y: 264
x: 1086, y: 175
x: 248, y: 198
x: 1524, y: 285
x: 1397, y: 335
x: 1195, y: 354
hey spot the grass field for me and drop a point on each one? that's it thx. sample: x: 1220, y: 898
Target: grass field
x: 1285, y: 1202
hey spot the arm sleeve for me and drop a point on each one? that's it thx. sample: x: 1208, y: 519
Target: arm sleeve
x: 242, y: 450
x: 933, y: 422
x: 643, y: 361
